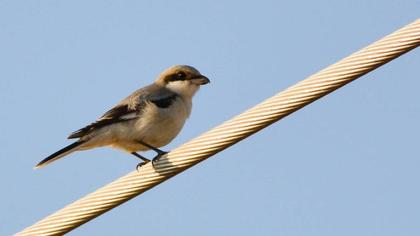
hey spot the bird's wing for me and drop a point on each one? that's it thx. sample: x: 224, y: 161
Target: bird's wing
x: 130, y: 108
x: 119, y: 113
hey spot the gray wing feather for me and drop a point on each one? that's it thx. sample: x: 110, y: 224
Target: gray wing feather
x: 130, y: 108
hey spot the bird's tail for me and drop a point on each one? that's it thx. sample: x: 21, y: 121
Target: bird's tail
x: 59, y: 154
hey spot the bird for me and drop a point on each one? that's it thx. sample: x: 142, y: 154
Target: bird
x: 149, y: 118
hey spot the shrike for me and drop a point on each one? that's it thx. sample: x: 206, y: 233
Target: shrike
x: 149, y: 118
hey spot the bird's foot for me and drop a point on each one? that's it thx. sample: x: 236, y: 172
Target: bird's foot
x: 141, y: 164
x: 160, y: 153
x: 144, y: 159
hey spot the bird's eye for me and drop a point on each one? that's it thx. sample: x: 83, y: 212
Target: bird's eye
x: 181, y: 75
x: 177, y: 76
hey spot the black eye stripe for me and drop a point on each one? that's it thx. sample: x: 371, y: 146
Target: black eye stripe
x: 178, y: 76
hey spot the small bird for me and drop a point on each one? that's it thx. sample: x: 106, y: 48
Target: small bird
x: 148, y: 119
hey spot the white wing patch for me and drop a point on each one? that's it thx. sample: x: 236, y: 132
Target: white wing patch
x: 129, y: 116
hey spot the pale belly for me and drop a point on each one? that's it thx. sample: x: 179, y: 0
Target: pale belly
x: 156, y: 127
x: 156, y: 134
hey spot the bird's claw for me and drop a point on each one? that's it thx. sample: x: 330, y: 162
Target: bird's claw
x: 141, y: 164
x: 157, y: 157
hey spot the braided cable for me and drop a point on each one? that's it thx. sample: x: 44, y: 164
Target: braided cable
x: 229, y: 133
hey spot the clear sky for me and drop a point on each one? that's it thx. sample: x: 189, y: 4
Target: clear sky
x: 346, y: 165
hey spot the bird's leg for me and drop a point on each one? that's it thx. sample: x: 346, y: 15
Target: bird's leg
x: 159, y: 152
x: 145, y: 160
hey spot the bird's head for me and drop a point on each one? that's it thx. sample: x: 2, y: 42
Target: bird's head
x: 182, y: 79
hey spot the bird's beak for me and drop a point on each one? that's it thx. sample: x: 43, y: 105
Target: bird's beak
x: 200, y: 80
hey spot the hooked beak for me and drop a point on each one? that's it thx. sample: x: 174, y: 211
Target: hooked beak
x: 200, y: 80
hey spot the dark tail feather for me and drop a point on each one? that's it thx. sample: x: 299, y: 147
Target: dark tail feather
x: 59, y: 154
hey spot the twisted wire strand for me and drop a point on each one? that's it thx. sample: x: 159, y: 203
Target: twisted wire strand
x: 229, y: 133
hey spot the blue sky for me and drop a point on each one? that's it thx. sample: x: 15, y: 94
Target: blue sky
x: 345, y: 165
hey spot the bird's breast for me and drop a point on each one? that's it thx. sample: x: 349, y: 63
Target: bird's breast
x: 155, y: 126
x: 159, y: 126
